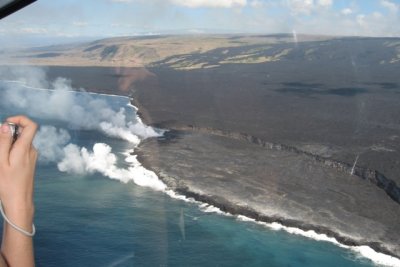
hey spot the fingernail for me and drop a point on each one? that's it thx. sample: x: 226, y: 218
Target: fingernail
x: 5, y: 128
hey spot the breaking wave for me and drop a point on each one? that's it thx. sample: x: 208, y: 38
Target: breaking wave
x: 89, y: 111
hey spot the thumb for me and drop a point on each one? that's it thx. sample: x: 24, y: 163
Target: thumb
x: 5, y: 143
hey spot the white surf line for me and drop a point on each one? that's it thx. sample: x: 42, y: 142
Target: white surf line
x: 363, y: 251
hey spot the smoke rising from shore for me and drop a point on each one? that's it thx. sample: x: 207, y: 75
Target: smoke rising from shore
x: 79, y: 110
x: 24, y: 93
x: 50, y: 142
x: 101, y: 159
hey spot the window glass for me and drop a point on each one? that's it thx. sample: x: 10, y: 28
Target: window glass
x: 210, y: 133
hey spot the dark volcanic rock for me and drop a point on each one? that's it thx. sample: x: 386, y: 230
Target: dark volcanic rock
x: 270, y: 184
x: 337, y: 98
x: 330, y: 103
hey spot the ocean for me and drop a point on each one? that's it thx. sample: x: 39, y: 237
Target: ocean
x: 96, y: 206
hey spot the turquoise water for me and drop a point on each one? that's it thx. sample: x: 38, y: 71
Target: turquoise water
x: 91, y: 220
x: 94, y: 221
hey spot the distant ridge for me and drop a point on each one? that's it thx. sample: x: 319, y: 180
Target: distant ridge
x: 198, y: 51
x: 138, y: 51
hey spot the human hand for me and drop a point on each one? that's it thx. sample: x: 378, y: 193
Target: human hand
x: 17, y: 168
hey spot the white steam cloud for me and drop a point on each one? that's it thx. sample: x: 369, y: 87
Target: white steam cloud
x: 78, y: 110
x: 50, y: 142
x: 102, y: 160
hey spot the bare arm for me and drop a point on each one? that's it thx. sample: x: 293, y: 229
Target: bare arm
x: 17, y: 168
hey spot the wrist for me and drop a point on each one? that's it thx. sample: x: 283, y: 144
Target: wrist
x: 23, y: 219
x: 20, y: 213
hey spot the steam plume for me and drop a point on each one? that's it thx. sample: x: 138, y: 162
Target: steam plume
x: 78, y: 110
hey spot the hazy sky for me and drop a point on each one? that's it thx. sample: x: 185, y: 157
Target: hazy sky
x: 104, y: 18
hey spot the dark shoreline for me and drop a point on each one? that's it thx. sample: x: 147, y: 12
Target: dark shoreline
x: 151, y: 97
x: 225, y: 205
x: 243, y: 209
x: 246, y: 211
x: 150, y: 115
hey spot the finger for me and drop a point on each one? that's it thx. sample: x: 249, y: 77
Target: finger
x: 5, y: 142
x: 33, y: 153
x: 28, y: 129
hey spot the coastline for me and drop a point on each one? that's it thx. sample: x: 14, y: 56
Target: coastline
x: 200, y: 194
x: 147, y: 119
x: 390, y: 187
x: 378, y: 258
x: 192, y: 103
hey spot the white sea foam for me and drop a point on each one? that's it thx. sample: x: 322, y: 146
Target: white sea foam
x: 207, y: 208
x: 364, y: 251
x: 175, y: 195
x: 310, y: 233
x: 212, y: 209
x: 101, y: 159
x: 379, y: 258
